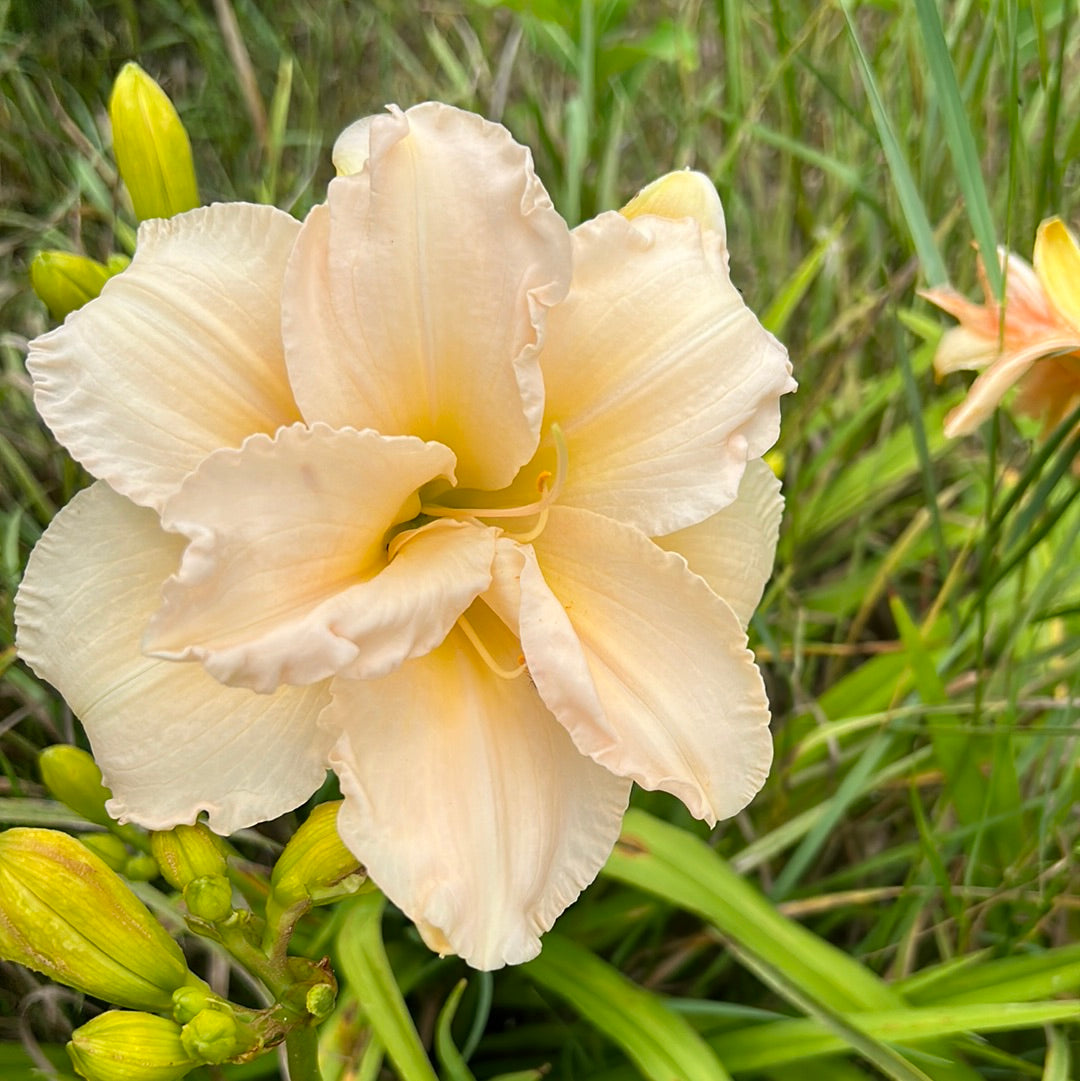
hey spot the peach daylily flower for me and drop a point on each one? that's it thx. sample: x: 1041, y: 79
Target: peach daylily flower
x: 1034, y: 343
x: 428, y: 490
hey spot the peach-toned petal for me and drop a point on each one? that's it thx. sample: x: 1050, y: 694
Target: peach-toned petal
x: 1057, y: 263
x: 180, y: 355
x: 415, y: 296
x: 994, y: 383
x: 468, y: 803
x: 662, y: 380
x: 170, y: 740
x: 1050, y: 391
x: 683, y: 704
x: 286, y: 577
x: 685, y: 194
x: 734, y: 549
x: 963, y: 349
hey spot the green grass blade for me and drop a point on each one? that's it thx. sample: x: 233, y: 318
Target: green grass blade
x: 922, y: 235
x: 965, y: 157
x: 661, y: 1043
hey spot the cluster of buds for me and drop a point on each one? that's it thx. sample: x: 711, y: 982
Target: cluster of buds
x: 66, y: 912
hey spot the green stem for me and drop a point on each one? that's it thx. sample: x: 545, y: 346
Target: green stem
x: 302, y: 1053
x: 367, y: 971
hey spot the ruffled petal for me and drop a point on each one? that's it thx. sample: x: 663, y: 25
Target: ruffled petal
x: 662, y: 380
x: 683, y: 194
x: 180, y: 355
x: 735, y: 548
x: 1057, y: 263
x: 286, y: 578
x: 683, y: 704
x: 352, y: 148
x: 468, y: 803
x: 170, y: 740
x: 415, y: 296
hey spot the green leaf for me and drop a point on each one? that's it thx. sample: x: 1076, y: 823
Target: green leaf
x: 662, y: 1044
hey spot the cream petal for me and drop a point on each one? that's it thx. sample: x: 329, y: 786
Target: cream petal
x: 415, y: 296
x: 961, y: 349
x: 468, y: 803
x: 663, y: 382
x: 180, y: 355
x: 735, y: 548
x: 995, y: 382
x: 683, y: 194
x: 170, y: 740
x: 353, y: 147
x: 684, y: 706
x: 286, y: 578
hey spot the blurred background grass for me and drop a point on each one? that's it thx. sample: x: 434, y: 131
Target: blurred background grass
x: 921, y: 636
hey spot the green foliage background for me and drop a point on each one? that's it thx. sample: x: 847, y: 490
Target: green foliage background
x: 901, y: 899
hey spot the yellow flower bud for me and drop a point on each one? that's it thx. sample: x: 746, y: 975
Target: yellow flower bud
x: 73, y: 777
x: 125, y: 1046
x: 185, y: 853
x: 64, y: 281
x: 209, y: 898
x: 214, y: 1036
x: 152, y: 149
x: 110, y: 848
x: 315, y: 864
x: 63, y: 912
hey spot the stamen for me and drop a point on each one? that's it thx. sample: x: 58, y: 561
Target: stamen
x: 486, y: 657
x: 532, y: 534
x: 547, y: 497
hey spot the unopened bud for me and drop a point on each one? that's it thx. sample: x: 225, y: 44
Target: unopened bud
x: 63, y: 912
x: 213, y: 1036
x: 64, y: 281
x: 122, y: 1045
x: 110, y: 848
x: 141, y: 868
x: 315, y: 864
x: 209, y: 898
x: 188, y: 1001
x: 185, y: 853
x: 320, y: 1000
x: 73, y: 777
x: 152, y: 149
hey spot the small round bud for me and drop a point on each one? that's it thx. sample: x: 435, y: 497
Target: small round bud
x: 320, y: 1001
x: 209, y: 898
x: 141, y: 868
x: 153, y: 153
x: 73, y: 777
x: 123, y: 1045
x: 188, y: 1001
x: 211, y: 1036
x: 188, y: 852
x: 109, y: 847
x: 63, y: 912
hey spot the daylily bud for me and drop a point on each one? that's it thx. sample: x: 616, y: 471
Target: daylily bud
x: 209, y: 898
x: 110, y: 848
x: 125, y: 1046
x: 65, y: 281
x: 152, y: 149
x: 141, y: 868
x: 212, y: 1036
x: 73, y: 777
x: 185, y: 853
x: 191, y: 1000
x: 320, y: 1000
x: 315, y: 864
x: 64, y: 913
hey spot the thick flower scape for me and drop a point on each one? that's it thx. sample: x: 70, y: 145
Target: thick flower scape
x: 1033, y: 342
x: 433, y: 491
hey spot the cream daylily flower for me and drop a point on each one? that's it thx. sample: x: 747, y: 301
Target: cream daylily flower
x: 380, y: 492
x: 1033, y: 343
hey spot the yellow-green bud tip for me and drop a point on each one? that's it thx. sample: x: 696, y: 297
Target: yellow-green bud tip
x: 185, y: 853
x: 212, y: 1036
x: 64, y: 281
x: 209, y: 898
x: 73, y: 777
x: 152, y: 149
x: 315, y: 864
x: 126, y: 1046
